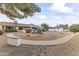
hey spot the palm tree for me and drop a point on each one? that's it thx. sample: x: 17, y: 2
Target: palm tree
x: 18, y: 10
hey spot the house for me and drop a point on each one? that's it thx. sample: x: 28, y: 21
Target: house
x: 53, y: 29
x: 57, y: 29
x: 16, y: 26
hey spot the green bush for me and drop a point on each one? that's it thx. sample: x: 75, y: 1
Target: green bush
x: 1, y: 32
x: 74, y: 28
x: 10, y: 30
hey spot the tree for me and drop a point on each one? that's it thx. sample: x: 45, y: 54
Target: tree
x: 44, y: 26
x: 74, y: 28
x: 18, y: 10
x: 65, y: 26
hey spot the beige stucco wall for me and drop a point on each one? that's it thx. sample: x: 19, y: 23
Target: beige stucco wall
x: 1, y: 27
x: 17, y: 28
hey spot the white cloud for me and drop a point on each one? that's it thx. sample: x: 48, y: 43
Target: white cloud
x: 42, y: 17
x: 56, y: 17
x: 71, y: 18
x: 4, y: 18
x: 60, y: 7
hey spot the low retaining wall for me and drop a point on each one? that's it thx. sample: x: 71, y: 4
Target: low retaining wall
x: 52, y: 42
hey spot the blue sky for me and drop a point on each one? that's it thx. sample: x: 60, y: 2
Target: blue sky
x: 52, y: 14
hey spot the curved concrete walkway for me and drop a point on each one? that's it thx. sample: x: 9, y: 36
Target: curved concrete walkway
x: 52, y: 42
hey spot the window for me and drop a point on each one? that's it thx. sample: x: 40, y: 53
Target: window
x: 9, y: 27
x: 20, y: 28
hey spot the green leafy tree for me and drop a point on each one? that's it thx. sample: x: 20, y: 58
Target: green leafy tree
x: 65, y: 26
x: 18, y: 10
x: 74, y: 28
x: 44, y: 26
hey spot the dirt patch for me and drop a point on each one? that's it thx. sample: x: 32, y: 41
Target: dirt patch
x: 68, y: 49
x: 44, y: 36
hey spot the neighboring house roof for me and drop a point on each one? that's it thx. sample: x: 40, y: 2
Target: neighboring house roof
x: 16, y: 24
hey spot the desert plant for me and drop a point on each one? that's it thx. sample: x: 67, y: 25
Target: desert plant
x: 39, y: 31
x: 28, y: 30
x: 1, y: 32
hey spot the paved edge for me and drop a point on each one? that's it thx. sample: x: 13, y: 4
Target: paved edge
x: 52, y: 42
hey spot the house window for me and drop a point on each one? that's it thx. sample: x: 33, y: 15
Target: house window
x: 20, y: 28
x: 9, y: 27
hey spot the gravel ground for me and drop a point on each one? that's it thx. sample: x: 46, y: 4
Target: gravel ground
x: 44, y: 36
x: 71, y: 48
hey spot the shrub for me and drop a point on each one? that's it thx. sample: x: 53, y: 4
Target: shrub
x: 10, y: 30
x: 28, y: 30
x: 33, y: 31
x: 1, y: 32
x: 74, y: 28
x: 39, y: 31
